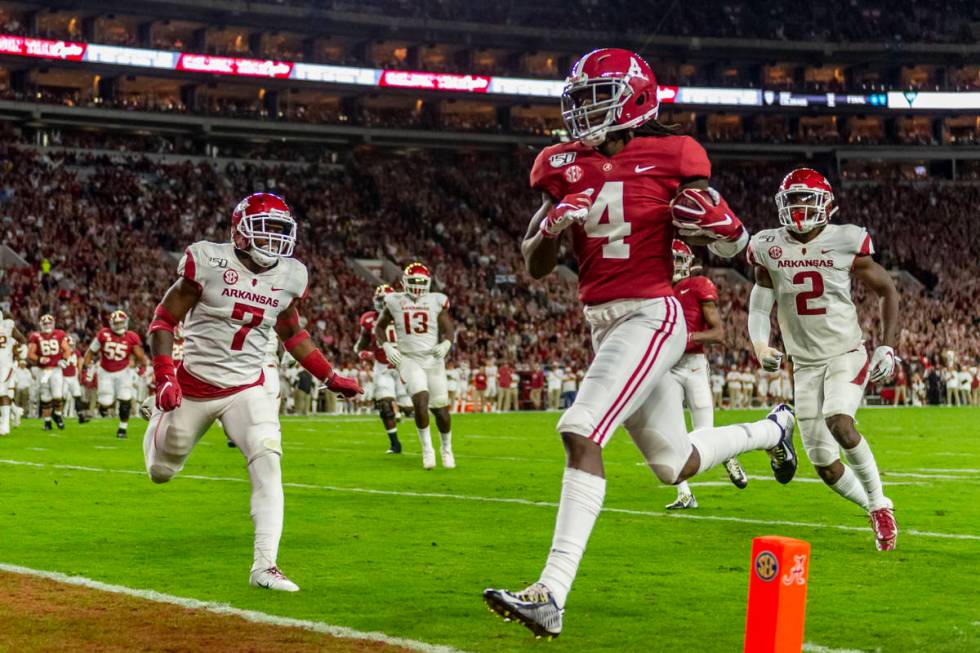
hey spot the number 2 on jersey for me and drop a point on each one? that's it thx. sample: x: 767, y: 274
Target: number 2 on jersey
x: 616, y: 229
x: 238, y: 313
x: 417, y: 322
x: 815, y: 291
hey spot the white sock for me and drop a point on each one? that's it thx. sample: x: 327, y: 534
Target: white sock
x: 849, y: 487
x: 718, y: 444
x: 865, y: 468
x: 4, y: 420
x: 123, y: 425
x: 267, y: 509
x: 683, y: 488
x: 425, y: 439
x: 581, y: 500
x: 447, y: 440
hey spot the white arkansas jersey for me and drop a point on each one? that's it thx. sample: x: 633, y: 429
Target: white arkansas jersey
x: 227, y: 333
x: 7, y: 343
x: 812, y: 282
x: 416, y: 320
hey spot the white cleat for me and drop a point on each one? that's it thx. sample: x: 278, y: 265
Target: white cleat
x: 448, y: 460
x: 271, y: 579
x: 429, y: 459
x: 147, y: 406
x: 683, y: 502
x: 535, y: 608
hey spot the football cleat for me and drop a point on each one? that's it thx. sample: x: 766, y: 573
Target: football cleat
x: 121, y: 434
x: 736, y: 474
x: 448, y: 460
x: 683, y: 502
x: 47, y: 425
x: 395, y: 449
x: 885, y: 528
x: 535, y: 608
x: 231, y: 445
x: 429, y: 459
x: 58, y: 421
x: 146, y: 408
x: 271, y: 579
x: 782, y: 457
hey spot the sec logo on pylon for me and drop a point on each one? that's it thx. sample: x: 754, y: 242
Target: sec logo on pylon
x: 766, y: 566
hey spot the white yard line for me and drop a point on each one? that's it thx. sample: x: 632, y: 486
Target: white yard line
x: 809, y: 647
x: 511, y: 500
x: 227, y: 610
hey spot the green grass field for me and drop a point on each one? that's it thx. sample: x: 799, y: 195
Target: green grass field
x: 376, y: 543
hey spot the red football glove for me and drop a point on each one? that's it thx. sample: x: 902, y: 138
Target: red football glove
x: 704, y: 212
x: 344, y: 385
x: 168, y: 395
x: 573, y: 208
x: 365, y: 355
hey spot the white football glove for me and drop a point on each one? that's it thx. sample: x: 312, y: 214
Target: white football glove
x: 442, y: 349
x: 882, y: 366
x: 771, y: 359
x: 63, y: 364
x: 391, y: 351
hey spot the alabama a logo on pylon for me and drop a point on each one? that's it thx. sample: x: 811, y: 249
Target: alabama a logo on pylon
x: 797, y: 574
x: 766, y: 566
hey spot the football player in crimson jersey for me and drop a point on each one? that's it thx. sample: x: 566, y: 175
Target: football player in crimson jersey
x: 384, y: 375
x: 805, y: 268
x: 70, y: 370
x: 231, y: 297
x: 46, y: 349
x: 424, y: 335
x: 617, y: 189
x: 114, y: 346
x: 699, y: 300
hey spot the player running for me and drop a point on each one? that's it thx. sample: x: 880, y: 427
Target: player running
x: 10, y: 339
x: 47, y: 348
x: 699, y: 301
x: 230, y: 297
x: 423, y: 336
x: 70, y: 370
x: 805, y: 268
x: 114, y: 346
x: 616, y: 189
x: 384, y: 375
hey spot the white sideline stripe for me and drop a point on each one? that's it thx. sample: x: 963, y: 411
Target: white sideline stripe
x: 935, y: 477
x: 947, y: 471
x: 753, y: 477
x: 817, y: 648
x: 511, y: 500
x: 227, y: 610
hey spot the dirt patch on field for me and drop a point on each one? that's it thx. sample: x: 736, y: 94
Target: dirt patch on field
x: 37, y: 615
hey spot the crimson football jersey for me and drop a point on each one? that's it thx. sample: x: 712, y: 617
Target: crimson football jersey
x: 71, y: 369
x: 368, y: 320
x: 691, y: 293
x: 623, y: 251
x: 115, y: 348
x: 48, y: 346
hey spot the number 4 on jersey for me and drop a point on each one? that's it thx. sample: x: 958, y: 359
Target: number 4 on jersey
x: 615, y: 229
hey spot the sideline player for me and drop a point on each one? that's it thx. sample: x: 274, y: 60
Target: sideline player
x: 384, y: 375
x: 46, y: 349
x: 699, y: 301
x: 805, y: 267
x: 71, y: 371
x: 230, y: 296
x: 10, y: 338
x: 115, y: 345
x: 423, y: 336
x: 616, y: 189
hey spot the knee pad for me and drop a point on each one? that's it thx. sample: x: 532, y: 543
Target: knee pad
x: 577, y: 420
x: 821, y: 447
x: 385, y: 409
x: 124, y: 408
x: 666, y: 474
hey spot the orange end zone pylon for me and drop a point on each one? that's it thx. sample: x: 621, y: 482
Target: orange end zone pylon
x: 777, y: 595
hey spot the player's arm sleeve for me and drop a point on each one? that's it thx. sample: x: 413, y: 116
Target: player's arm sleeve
x: 187, y: 266
x: 864, y: 244
x: 545, y: 177
x: 95, y: 345
x: 707, y: 291
x: 761, y: 301
x: 694, y: 162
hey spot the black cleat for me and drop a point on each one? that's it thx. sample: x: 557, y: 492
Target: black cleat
x: 231, y: 445
x: 83, y: 418
x: 121, y: 434
x: 58, y: 421
x: 47, y: 426
x: 782, y: 457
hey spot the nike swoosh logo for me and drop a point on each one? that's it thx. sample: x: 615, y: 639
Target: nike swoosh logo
x: 686, y: 290
x: 643, y: 168
x: 274, y: 289
x: 720, y: 223
x: 826, y: 251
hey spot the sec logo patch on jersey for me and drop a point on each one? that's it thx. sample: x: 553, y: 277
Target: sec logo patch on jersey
x: 775, y: 252
x: 573, y: 174
x: 231, y: 277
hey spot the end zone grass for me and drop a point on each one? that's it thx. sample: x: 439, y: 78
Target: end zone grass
x: 377, y: 544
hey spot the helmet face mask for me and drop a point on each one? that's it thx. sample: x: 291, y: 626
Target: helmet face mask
x: 805, y: 201
x: 379, y: 296
x: 264, y: 228
x: 47, y: 323
x: 683, y: 258
x: 416, y: 279
x: 119, y: 322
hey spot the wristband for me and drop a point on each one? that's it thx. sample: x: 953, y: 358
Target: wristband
x: 296, y: 339
x: 162, y: 320
x: 316, y: 364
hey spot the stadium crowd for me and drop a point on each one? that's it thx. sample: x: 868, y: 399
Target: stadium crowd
x: 98, y: 233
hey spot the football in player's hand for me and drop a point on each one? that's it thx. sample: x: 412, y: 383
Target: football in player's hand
x: 696, y: 240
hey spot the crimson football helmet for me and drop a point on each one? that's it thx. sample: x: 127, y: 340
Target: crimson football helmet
x: 262, y: 225
x: 683, y: 257
x: 608, y: 90
x: 805, y: 200
x: 379, y: 296
x: 119, y: 322
x: 47, y: 323
x: 416, y: 279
